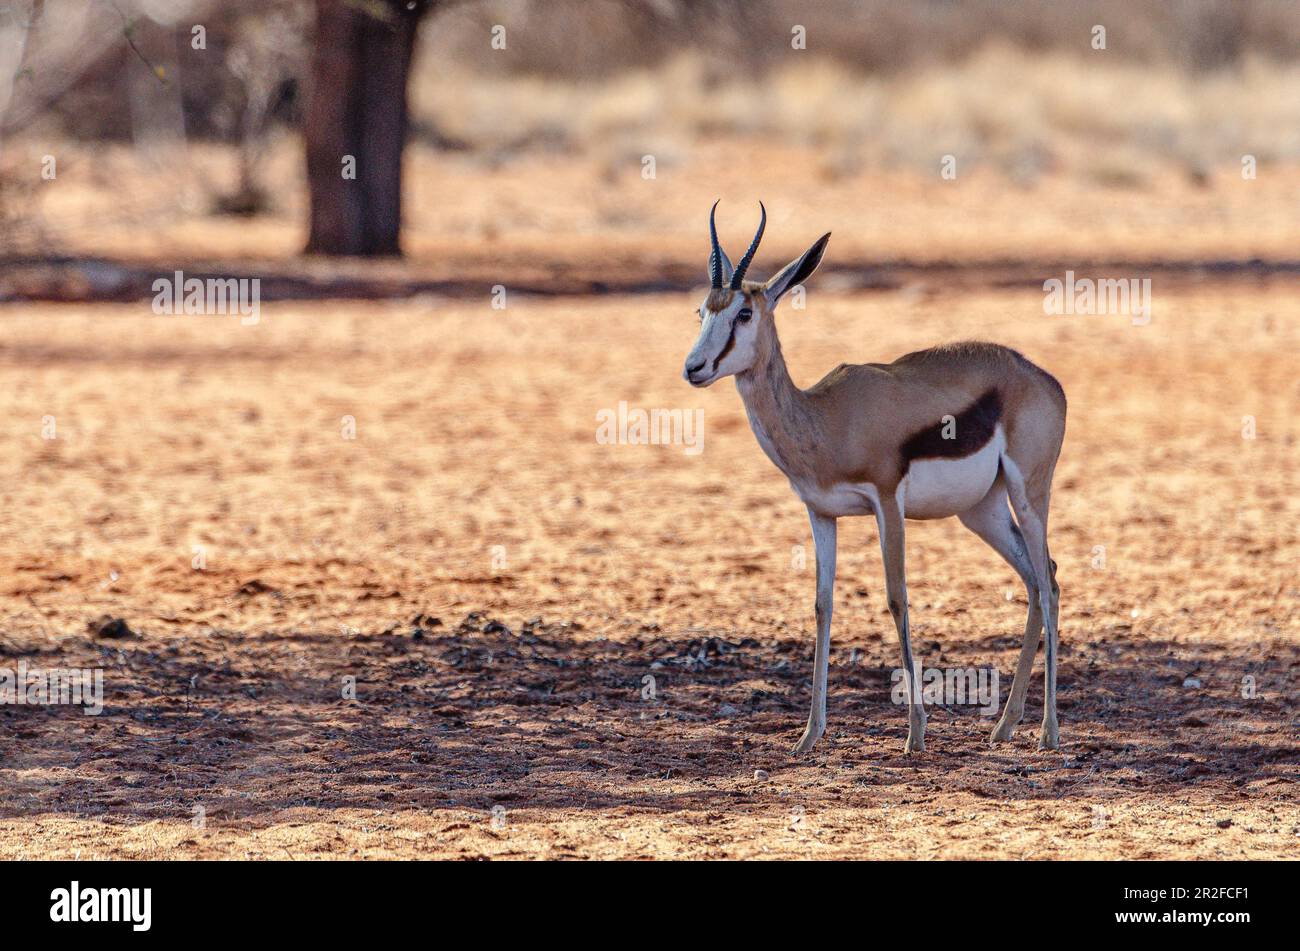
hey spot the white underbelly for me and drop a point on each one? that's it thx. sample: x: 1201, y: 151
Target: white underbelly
x: 937, y: 488
x: 932, y: 488
x: 841, y: 499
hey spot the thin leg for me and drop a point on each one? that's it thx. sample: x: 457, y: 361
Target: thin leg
x: 1031, y: 513
x: 1054, y: 734
x: 824, y: 535
x: 991, y: 520
x: 889, y: 519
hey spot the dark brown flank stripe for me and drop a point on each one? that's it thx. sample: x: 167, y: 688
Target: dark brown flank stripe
x: 974, y: 428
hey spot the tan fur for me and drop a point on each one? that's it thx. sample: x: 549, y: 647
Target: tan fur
x: 719, y: 299
x: 848, y: 427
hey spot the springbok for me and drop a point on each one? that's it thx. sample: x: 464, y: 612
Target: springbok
x: 954, y: 430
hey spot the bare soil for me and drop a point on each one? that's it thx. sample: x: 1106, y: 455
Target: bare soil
x: 500, y: 584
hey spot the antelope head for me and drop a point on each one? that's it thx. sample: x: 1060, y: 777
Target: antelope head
x: 736, y: 318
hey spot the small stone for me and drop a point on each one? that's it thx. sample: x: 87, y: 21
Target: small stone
x: 109, y: 628
x: 727, y: 710
x: 1224, y: 823
x: 1192, y: 683
x: 760, y: 775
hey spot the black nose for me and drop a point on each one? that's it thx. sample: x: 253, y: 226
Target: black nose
x: 691, y: 371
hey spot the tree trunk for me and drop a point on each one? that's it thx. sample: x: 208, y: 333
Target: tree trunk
x: 356, y: 125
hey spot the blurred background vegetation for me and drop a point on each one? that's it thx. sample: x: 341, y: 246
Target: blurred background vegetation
x: 1012, y: 88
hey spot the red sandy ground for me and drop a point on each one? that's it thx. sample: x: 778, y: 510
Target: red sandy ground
x: 499, y: 584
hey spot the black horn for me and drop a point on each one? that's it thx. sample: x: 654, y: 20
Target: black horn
x: 743, y: 266
x: 715, y: 256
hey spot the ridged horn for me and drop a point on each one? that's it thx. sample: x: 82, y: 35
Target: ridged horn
x: 739, y: 274
x: 715, y: 256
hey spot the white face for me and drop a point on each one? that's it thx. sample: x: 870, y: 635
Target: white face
x: 727, y: 343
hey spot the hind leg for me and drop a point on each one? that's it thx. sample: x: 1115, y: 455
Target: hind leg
x: 1030, y: 503
x: 991, y: 520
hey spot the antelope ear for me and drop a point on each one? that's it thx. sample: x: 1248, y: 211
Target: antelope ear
x: 797, y: 271
x: 727, y: 267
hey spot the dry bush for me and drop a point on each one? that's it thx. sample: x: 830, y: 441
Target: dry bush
x: 1023, y: 113
x: 600, y: 38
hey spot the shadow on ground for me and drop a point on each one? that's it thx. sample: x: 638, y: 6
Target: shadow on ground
x: 475, y: 715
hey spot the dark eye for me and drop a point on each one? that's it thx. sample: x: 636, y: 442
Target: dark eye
x: 744, y: 315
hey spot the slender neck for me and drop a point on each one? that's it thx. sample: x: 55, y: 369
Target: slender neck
x: 778, y: 410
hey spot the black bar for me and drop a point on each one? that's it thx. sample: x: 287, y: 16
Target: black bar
x: 333, y: 900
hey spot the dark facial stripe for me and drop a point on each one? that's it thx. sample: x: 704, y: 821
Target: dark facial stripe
x: 731, y: 342
x: 972, y: 430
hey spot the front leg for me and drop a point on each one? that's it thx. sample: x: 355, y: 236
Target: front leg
x: 889, y: 519
x: 824, y: 534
